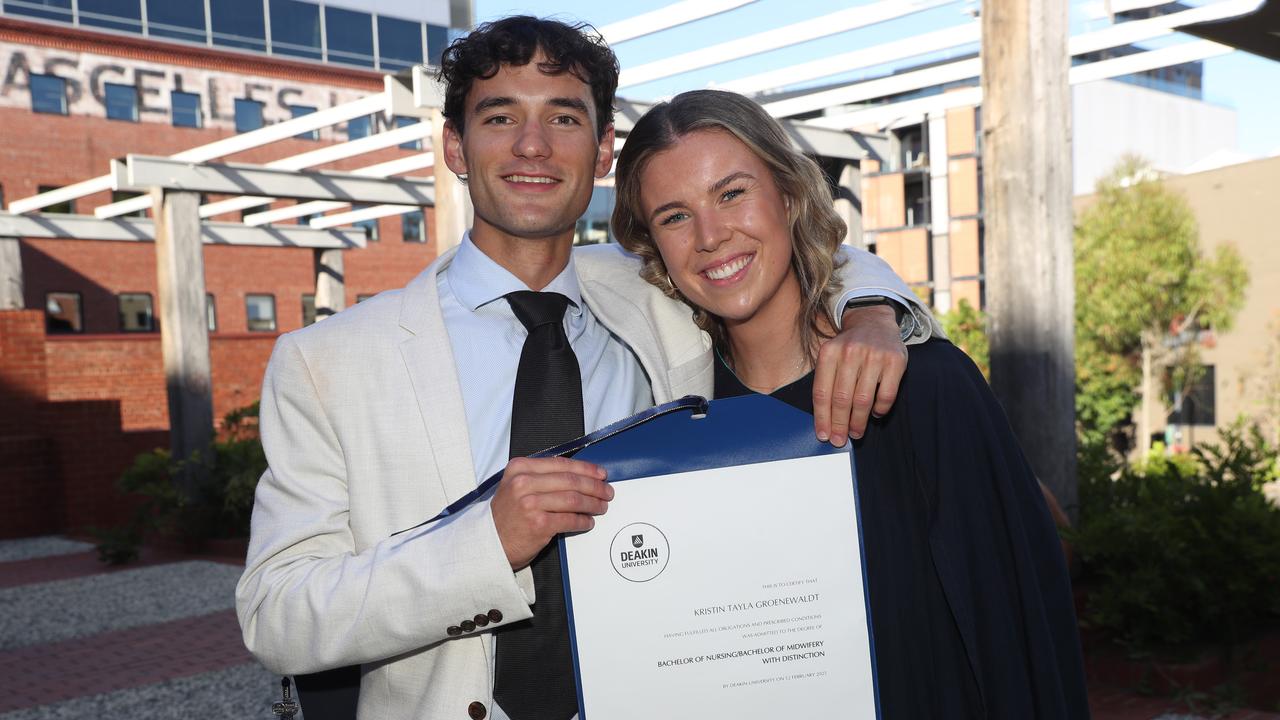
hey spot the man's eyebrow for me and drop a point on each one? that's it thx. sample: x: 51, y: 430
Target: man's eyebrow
x: 727, y: 180
x: 493, y: 102
x: 572, y: 103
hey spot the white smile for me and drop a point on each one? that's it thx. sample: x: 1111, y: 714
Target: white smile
x: 729, y: 269
x: 530, y: 179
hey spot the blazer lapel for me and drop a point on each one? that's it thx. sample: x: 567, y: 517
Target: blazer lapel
x: 428, y: 357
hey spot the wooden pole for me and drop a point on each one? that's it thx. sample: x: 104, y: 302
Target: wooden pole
x: 10, y: 274
x: 330, y: 283
x: 1026, y: 153
x: 184, y: 330
x: 453, y: 202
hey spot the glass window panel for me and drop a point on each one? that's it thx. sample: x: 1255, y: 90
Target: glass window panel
x: 248, y: 115
x: 180, y: 19
x: 300, y: 111
x: 437, y: 41
x: 47, y: 9
x: 135, y: 313
x: 122, y: 102
x: 362, y: 297
x: 399, y: 43
x: 185, y: 107
x: 402, y: 121
x: 62, y: 312
x: 413, y: 226
x: 238, y: 24
x: 48, y: 94
x: 211, y: 312
x: 350, y: 36
x: 113, y: 14
x: 308, y: 310
x: 295, y: 29
x: 370, y: 227
x: 359, y: 127
x: 118, y: 195
x: 66, y: 206
x: 260, y: 310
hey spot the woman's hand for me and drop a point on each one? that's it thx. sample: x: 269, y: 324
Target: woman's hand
x: 858, y: 373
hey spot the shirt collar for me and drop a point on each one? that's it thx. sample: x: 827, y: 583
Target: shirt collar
x: 476, y: 280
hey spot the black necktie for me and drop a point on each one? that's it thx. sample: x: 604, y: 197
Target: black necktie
x: 534, y: 675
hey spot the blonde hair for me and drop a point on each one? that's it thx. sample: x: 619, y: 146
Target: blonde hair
x: 816, y: 230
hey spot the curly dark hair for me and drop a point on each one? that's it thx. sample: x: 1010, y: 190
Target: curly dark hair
x: 577, y: 49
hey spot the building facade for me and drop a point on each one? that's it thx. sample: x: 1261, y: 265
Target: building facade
x: 82, y: 379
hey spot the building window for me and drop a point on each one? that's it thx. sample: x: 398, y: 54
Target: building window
x: 122, y: 102
x: 135, y: 312
x: 911, y: 149
x: 413, y: 226
x: 47, y: 9
x: 119, y: 195
x: 402, y: 121
x: 437, y: 41
x: 185, y: 109
x: 916, y: 199
x: 362, y: 297
x: 261, y: 312
x: 111, y: 14
x: 66, y: 206
x: 370, y: 227
x: 399, y: 43
x: 211, y: 312
x: 308, y: 309
x: 49, y: 94
x: 295, y: 29
x: 359, y: 127
x: 349, y: 36
x: 298, y: 111
x: 62, y: 313
x: 248, y: 115
x: 238, y: 24
x: 1196, y: 402
x: 178, y: 19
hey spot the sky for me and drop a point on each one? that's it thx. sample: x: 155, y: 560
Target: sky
x: 1246, y: 83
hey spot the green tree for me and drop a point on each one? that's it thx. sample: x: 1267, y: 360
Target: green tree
x: 966, y: 327
x: 1142, y: 288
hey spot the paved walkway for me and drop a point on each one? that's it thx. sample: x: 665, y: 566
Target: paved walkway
x: 159, y: 639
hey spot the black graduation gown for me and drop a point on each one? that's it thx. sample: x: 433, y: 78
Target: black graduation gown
x: 971, y: 605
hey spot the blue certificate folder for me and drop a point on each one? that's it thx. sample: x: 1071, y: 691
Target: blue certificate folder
x: 687, y: 435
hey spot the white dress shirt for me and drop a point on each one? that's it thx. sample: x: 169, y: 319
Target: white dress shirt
x: 487, y: 339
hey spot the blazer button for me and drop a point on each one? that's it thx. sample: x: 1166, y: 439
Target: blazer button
x: 495, y: 616
x: 468, y: 626
x: 481, y: 620
x: 454, y: 631
x: 476, y: 711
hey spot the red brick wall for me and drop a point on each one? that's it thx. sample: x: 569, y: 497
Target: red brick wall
x: 23, y: 381
x: 30, y: 492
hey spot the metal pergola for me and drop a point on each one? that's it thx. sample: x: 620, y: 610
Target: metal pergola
x: 845, y: 123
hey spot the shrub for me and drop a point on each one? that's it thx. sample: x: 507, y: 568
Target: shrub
x: 220, y: 506
x: 1183, y: 551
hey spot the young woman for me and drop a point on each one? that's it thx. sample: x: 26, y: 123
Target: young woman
x: 971, y: 606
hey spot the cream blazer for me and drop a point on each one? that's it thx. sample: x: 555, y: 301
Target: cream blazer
x: 365, y: 433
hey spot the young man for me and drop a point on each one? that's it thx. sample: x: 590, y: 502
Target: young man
x: 381, y: 416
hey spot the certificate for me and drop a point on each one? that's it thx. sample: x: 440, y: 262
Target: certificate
x: 733, y: 592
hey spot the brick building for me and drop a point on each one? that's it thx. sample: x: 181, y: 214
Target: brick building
x: 82, y: 384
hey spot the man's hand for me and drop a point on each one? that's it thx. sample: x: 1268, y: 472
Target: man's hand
x: 539, y: 498
x: 858, y: 373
